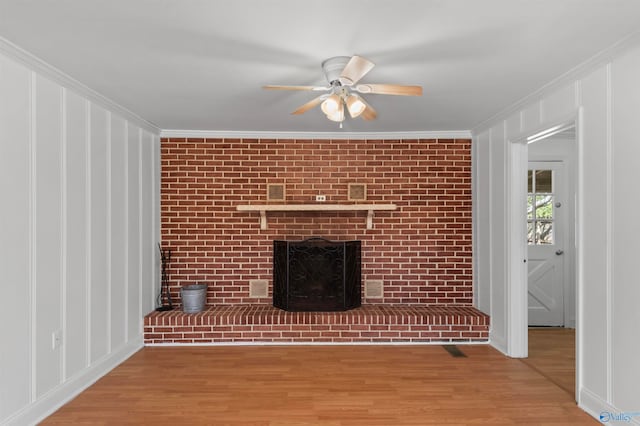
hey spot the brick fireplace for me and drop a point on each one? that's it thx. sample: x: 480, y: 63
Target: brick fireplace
x: 420, y: 252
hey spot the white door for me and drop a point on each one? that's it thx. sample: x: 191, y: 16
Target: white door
x: 545, y: 223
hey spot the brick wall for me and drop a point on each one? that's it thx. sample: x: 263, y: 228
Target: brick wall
x: 422, y: 251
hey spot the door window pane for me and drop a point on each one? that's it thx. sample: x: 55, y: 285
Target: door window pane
x: 531, y: 237
x: 544, y: 207
x: 544, y: 233
x: 540, y: 208
x: 530, y: 207
x: 543, y: 182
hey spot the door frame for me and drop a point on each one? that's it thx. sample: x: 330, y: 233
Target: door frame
x: 517, y: 306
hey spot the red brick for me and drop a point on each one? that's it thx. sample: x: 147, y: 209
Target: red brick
x: 202, y: 181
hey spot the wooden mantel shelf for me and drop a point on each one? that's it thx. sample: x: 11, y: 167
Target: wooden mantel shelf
x: 264, y: 208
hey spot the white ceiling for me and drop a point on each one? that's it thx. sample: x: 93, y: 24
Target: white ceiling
x: 200, y: 64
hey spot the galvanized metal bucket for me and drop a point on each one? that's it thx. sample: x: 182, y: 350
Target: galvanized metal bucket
x: 193, y: 298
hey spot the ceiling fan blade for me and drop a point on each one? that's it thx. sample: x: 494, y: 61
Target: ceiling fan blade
x: 369, y: 113
x: 389, y: 89
x: 309, y: 88
x: 312, y: 103
x: 356, y: 68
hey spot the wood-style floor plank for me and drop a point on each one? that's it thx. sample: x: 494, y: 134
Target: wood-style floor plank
x: 552, y: 352
x: 328, y: 385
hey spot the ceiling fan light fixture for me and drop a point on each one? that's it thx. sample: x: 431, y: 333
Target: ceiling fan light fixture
x: 355, y: 105
x: 338, y: 114
x: 343, y: 74
x: 331, y: 104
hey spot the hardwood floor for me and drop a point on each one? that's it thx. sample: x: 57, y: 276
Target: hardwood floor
x: 552, y: 353
x: 328, y: 385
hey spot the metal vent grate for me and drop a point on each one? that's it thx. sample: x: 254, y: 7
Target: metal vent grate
x: 258, y: 288
x: 373, y: 288
x: 275, y: 192
x: 357, y: 192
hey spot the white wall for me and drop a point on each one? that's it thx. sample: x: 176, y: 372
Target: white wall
x: 605, y: 94
x: 79, y: 223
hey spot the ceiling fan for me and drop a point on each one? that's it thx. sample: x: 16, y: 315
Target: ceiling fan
x: 343, y: 73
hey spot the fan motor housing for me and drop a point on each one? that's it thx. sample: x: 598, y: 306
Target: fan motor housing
x: 333, y: 67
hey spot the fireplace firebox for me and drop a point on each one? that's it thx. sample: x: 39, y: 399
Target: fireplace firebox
x: 316, y: 274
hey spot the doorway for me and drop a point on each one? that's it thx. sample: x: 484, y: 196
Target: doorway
x: 551, y: 228
x: 551, y: 252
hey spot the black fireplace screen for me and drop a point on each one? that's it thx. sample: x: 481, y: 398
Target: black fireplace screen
x: 316, y: 275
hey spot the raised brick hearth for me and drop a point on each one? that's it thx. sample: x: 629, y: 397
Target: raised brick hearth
x: 370, y: 323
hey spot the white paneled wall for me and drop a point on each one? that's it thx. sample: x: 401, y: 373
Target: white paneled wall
x: 482, y: 221
x: 76, y: 223
x: 79, y: 225
x: 99, y: 233
x: 46, y: 241
x: 624, y: 205
x: 118, y: 232
x: 15, y: 239
x: 604, y: 97
x: 134, y: 236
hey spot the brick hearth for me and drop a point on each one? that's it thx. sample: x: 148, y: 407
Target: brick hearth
x: 369, y: 323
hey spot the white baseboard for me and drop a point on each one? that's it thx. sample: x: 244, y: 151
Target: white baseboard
x: 603, y: 411
x: 498, y: 342
x: 63, y: 393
